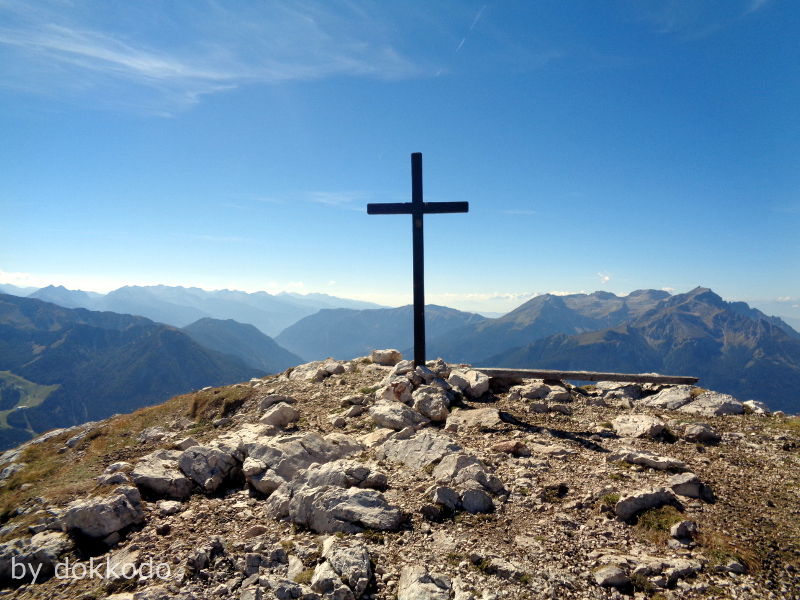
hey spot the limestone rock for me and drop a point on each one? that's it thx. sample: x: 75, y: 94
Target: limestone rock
x: 473, y: 384
x: 207, y: 466
x: 686, y: 484
x: 396, y: 390
x: 756, y: 407
x: 343, y: 473
x: 350, y: 561
x: 280, y: 415
x: 611, y: 576
x: 535, y: 389
x: 475, y: 500
x: 417, y: 584
x: 387, y: 358
x: 158, y: 474
x: 459, y: 469
x: 271, y: 464
x: 99, y: 517
x: 634, y: 503
x: 330, y: 509
x: 446, y: 497
x: 431, y: 401
x: 670, y: 398
x: 395, y: 415
x: 647, y: 459
x: 423, y: 449
x: 700, y: 433
x: 476, y: 418
x: 40, y: 553
x: 637, y: 426
x: 713, y: 404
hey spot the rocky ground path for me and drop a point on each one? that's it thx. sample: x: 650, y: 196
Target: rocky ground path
x: 368, y: 479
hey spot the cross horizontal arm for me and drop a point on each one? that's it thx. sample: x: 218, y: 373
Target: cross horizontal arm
x: 446, y: 207
x: 390, y: 208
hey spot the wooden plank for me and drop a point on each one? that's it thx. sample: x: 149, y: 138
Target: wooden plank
x: 585, y: 375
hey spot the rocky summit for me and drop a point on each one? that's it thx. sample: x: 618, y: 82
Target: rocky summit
x: 371, y: 479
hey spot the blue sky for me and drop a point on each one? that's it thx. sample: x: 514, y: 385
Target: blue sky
x: 602, y: 145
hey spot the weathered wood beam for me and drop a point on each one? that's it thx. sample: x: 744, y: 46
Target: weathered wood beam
x: 584, y: 375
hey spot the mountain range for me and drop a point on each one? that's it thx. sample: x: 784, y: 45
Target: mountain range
x: 180, y: 306
x: 61, y: 366
x: 732, y: 347
x: 346, y: 333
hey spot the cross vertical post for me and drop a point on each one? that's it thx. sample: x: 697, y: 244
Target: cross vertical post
x: 417, y: 209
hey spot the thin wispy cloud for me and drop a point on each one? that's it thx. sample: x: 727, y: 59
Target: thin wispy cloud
x: 475, y: 21
x: 604, y: 277
x: 168, y: 64
x: 355, y: 201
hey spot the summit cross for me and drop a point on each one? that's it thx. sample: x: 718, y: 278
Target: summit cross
x: 417, y: 208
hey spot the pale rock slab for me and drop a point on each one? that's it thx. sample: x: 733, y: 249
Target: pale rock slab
x: 330, y: 509
x: 670, y: 398
x: 158, y: 474
x: 280, y: 415
x: 423, y: 449
x: 417, y: 584
x: 395, y: 415
x: 634, y: 503
x: 638, y: 426
x: 100, y: 517
x: 700, y: 433
x: 713, y: 404
x: 648, y: 459
x: 431, y: 401
x: 387, y: 358
x: 476, y: 418
x: 351, y: 561
x: 207, y: 466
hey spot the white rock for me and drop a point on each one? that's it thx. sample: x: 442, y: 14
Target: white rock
x: 280, y: 415
x: 331, y: 509
x: 757, y: 407
x: 99, y: 517
x: 423, y: 449
x: 476, y: 418
x: 417, y: 584
x: 387, y: 358
x: 628, y: 506
x: 647, y: 459
x: 207, y: 466
x: 395, y: 415
x: 686, y: 484
x: 670, y: 398
x: 713, y: 404
x: 700, y: 433
x: 158, y: 474
x: 637, y: 426
x: 431, y: 401
x: 611, y: 576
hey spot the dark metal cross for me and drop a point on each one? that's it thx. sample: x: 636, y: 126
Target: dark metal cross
x: 417, y: 208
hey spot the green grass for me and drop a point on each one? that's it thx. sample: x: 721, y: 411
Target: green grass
x: 654, y: 524
x: 31, y: 394
x: 304, y: 576
x: 610, y: 499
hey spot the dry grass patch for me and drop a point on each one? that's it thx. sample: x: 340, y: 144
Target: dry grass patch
x: 218, y: 402
x: 654, y: 524
x: 61, y: 477
x: 720, y: 549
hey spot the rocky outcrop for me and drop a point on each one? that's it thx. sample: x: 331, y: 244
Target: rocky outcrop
x: 329, y: 509
x: 713, y: 404
x: 101, y: 517
x: 157, y: 474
